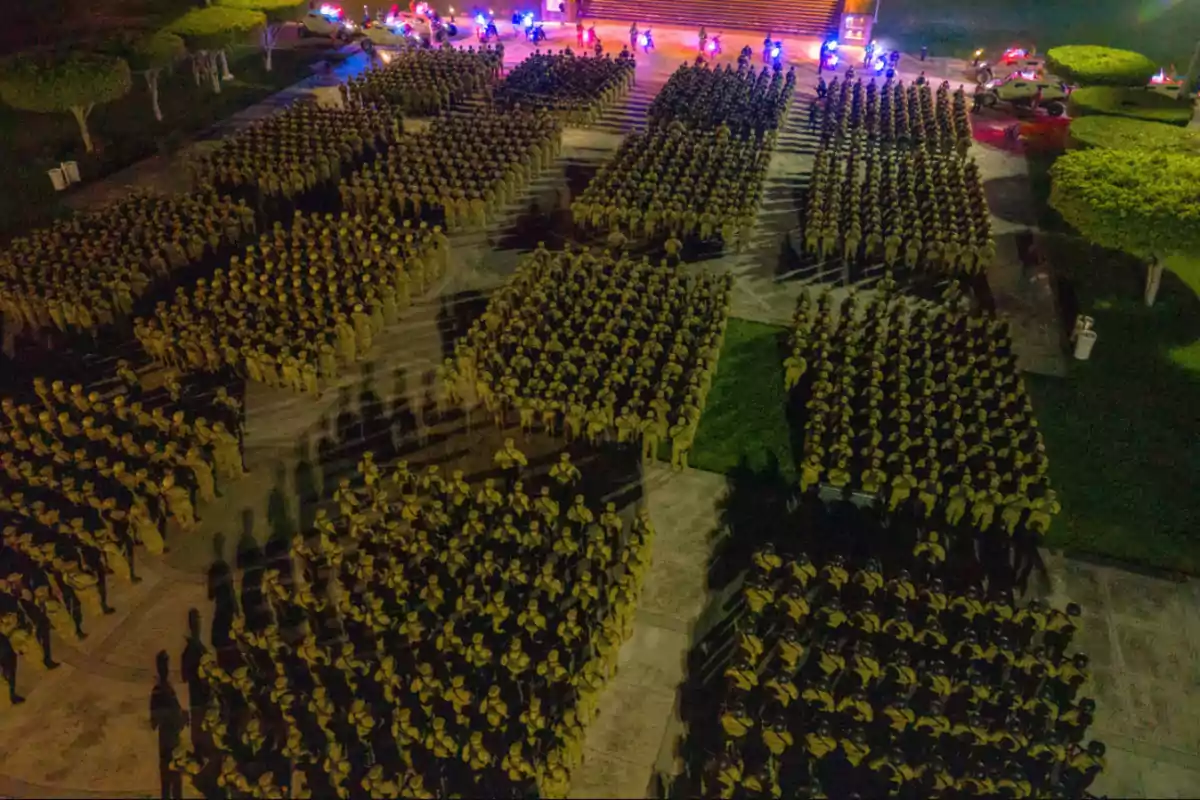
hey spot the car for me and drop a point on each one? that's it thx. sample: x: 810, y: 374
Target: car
x: 328, y: 21
x: 1014, y: 58
x: 1020, y: 88
x: 403, y: 29
x: 1169, y: 86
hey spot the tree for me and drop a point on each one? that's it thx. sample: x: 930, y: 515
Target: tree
x: 77, y: 83
x: 1144, y: 203
x: 1094, y: 65
x: 277, y: 12
x: 150, y: 55
x: 209, y: 32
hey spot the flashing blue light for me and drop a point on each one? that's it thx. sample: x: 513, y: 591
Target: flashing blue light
x: 833, y: 59
x: 879, y: 64
x: 480, y: 19
x: 527, y: 20
x: 775, y: 51
x: 643, y: 40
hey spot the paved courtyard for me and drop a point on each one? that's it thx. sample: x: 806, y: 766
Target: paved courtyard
x: 84, y: 730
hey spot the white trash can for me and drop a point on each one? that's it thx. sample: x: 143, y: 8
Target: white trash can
x: 58, y: 179
x: 71, y: 171
x: 1084, y: 343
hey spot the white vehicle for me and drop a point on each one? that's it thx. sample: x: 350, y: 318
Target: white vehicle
x: 328, y: 21
x: 1165, y: 85
x: 400, y: 30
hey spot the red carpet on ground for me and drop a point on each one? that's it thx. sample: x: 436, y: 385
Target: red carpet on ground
x: 780, y: 17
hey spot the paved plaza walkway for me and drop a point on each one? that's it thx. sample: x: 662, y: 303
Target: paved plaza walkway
x: 84, y: 730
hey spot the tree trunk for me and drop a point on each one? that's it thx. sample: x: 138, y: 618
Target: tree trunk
x: 214, y: 74
x: 226, y: 75
x: 152, y: 85
x: 81, y: 115
x: 1154, y: 272
x: 269, y: 36
x: 195, y: 59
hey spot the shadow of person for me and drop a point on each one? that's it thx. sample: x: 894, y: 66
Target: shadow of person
x: 754, y: 511
x: 306, y: 479
x: 279, y: 510
x: 223, y: 595
x: 189, y: 669
x: 168, y: 719
x: 251, y: 562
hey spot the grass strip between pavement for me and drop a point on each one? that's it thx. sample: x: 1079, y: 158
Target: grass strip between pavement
x: 744, y: 419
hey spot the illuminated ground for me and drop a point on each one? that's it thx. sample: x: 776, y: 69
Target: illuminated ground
x: 83, y: 731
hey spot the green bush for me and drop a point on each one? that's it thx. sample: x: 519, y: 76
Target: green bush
x: 1089, y: 64
x: 1123, y: 133
x: 1142, y: 202
x: 1133, y: 103
x: 217, y: 27
x: 275, y: 10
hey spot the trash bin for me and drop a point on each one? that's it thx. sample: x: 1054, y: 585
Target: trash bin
x: 71, y: 171
x: 1084, y: 343
x: 58, y: 179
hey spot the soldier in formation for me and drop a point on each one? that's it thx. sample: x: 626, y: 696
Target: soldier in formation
x: 892, y: 113
x: 676, y: 183
x: 426, y: 82
x: 301, y: 305
x: 437, y: 639
x: 852, y: 681
x: 596, y: 348
x: 698, y: 172
x: 920, y: 405
x: 85, y: 272
x: 915, y: 206
x: 460, y: 172
x: 85, y: 478
x: 298, y: 157
x: 577, y: 88
x: 705, y: 97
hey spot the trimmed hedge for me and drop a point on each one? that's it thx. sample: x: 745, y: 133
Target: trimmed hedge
x: 1123, y: 133
x: 1133, y: 103
x: 1106, y: 66
x: 216, y: 27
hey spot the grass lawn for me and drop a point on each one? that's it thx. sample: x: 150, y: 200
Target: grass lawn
x: 1123, y: 430
x: 125, y: 131
x: 744, y: 419
x: 1164, y: 31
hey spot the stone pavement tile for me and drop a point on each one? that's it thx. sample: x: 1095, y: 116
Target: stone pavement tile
x: 1162, y: 654
x: 1164, y: 780
x: 675, y: 588
x: 1183, y: 723
x: 1082, y: 583
x: 88, y: 733
x: 1122, y: 776
x: 1094, y: 638
x: 654, y: 656
x: 1147, y: 600
x: 1107, y: 689
x: 124, y: 597
x: 1149, y: 707
x: 632, y: 721
x: 162, y: 625
x: 602, y: 775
